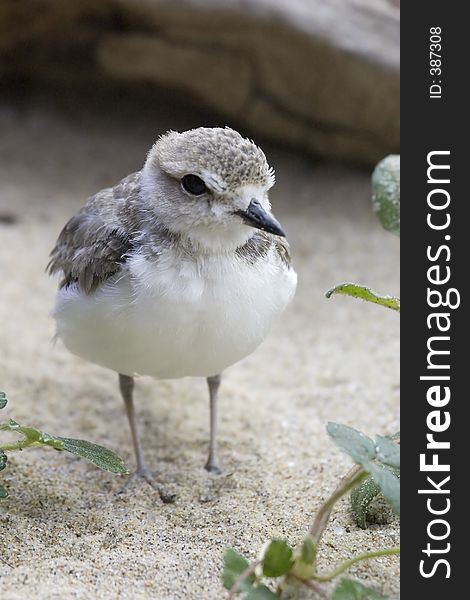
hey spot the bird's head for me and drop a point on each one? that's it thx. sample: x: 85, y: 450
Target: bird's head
x: 210, y: 185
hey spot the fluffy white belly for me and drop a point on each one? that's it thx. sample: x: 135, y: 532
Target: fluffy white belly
x: 175, y: 318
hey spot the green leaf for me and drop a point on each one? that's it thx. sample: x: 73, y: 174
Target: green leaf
x: 309, y: 551
x: 389, y: 485
x: 348, y: 589
x: 101, y: 457
x: 360, y: 447
x: 234, y: 565
x: 3, y: 460
x: 50, y: 440
x: 3, y: 492
x: 363, y: 450
x: 277, y: 559
x: 261, y: 593
x: 9, y: 426
x: 368, y: 504
x: 364, y: 293
x: 387, y: 452
x: 3, y: 400
x: 32, y: 435
x: 368, y: 499
x: 362, y: 498
x: 386, y: 193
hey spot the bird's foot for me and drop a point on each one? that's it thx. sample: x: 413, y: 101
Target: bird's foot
x: 212, y: 466
x: 144, y: 474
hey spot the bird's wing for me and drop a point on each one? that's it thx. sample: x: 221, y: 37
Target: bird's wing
x: 93, y: 244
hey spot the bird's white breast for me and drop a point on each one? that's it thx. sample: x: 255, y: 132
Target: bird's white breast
x: 176, y: 317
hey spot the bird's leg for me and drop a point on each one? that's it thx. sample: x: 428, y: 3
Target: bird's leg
x: 212, y: 464
x: 126, y: 385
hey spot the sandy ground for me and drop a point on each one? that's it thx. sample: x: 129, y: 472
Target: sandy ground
x: 68, y: 530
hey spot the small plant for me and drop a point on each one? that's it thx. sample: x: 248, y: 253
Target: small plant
x: 373, y: 480
x: 386, y: 205
x: 366, y: 500
x: 368, y: 504
x: 286, y: 567
x: 99, y: 456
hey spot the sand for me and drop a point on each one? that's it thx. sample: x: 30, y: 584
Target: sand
x: 69, y: 530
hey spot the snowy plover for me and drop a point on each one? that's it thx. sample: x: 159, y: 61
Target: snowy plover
x: 178, y: 270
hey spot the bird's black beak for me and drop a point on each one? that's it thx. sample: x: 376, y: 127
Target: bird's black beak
x: 256, y: 216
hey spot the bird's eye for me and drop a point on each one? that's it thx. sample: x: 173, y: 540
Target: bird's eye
x: 194, y: 185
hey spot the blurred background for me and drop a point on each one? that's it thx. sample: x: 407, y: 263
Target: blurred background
x: 319, y: 76
x: 86, y: 86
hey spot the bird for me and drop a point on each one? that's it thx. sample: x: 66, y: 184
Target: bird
x: 179, y: 270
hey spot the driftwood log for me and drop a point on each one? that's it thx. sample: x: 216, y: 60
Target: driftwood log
x: 318, y: 75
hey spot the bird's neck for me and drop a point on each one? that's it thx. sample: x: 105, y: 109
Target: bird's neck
x: 216, y: 240
x: 199, y: 240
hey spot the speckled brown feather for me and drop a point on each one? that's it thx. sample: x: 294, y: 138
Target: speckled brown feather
x: 222, y: 157
x: 260, y: 243
x: 282, y: 249
x: 93, y: 244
